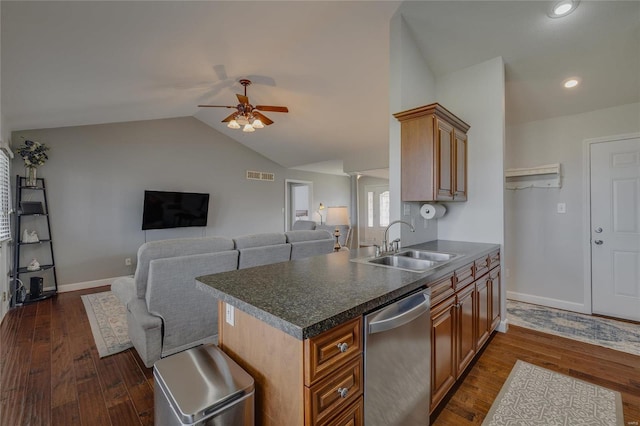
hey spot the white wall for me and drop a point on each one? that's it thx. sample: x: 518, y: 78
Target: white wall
x: 96, y: 176
x: 546, y: 253
x: 412, y: 84
x: 476, y: 95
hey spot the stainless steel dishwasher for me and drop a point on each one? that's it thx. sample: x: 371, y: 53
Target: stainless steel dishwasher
x: 397, y: 370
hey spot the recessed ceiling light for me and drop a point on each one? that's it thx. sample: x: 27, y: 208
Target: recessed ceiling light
x: 562, y: 8
x: 570, y: 83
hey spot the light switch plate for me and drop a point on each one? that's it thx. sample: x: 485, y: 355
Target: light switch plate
x: 229, y: 314
x: 562, y: 208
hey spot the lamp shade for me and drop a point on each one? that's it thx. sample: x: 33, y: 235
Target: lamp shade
x: 337, y: 216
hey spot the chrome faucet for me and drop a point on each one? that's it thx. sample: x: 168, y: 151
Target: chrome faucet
x: 385, y: 247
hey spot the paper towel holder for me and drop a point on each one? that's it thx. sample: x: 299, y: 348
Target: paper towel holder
x: 432, y: 211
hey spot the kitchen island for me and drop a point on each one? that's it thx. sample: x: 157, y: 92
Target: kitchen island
x: 297, y: 326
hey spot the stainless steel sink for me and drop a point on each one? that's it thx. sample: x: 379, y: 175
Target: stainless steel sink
x: 404, y: 262
x: 410, y: 260
x: 433, y: 256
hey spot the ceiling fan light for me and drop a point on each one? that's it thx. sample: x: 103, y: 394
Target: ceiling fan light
x: 257, y: 124
x: 248, y: 128
x: 242, y: 120
x: 233, y: 124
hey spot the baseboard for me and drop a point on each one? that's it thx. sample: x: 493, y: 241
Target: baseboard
x: 549, y: 302
x: 503, y: 326
x: 63, y: 288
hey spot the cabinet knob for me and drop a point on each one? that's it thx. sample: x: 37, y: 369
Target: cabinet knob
x: 343, y: 347
x: 343, y: 392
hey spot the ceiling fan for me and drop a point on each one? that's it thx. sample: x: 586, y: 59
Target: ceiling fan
x: 246, y: 115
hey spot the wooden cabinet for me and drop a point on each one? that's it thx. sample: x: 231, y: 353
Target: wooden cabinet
x: 433, y: 154
x: 483, y: 320
x: 465, y: 310
x: 443, y: 346
x: 465, y: 316
x: 318, y: 381
x: 333, y: 373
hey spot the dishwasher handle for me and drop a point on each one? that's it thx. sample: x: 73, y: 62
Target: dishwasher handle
x: 417, y: 305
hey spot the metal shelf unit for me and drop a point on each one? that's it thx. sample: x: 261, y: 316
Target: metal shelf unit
x: 20, y: 296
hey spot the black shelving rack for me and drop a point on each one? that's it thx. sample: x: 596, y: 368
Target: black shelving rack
x: 21, y: 290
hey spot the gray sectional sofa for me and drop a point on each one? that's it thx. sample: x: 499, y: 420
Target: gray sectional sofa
x: 166, y: 313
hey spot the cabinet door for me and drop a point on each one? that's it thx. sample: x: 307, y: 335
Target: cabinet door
x: 444, y: 161
x: 466, y: 341
x: 483, y: 309
x: 443, y: 368
x: 494, y: 277
x: 417, y: 159
x: 460, y: 169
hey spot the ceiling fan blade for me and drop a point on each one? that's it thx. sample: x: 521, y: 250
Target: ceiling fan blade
x: 242, y: 98
x: 265, y: 120
x: 229, y: 118
x: 272, y: 108
x: 215, y: 106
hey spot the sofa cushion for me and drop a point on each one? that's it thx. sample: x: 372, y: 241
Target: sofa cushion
x: 262, y: 249
x: 189, y: 315
x: 304, y: 235
x: 300, y: 225
x: 172, y: 248
x: 259, y: 240
x: 309, y: 243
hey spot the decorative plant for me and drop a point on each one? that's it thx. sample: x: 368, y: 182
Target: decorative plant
x: 33, y: 153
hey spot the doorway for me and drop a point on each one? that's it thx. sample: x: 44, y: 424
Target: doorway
x: 614, y: 222
x: 298, y: 200
x: 373, y: 207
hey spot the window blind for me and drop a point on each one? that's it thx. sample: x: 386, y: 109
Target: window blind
x: 5, y: 199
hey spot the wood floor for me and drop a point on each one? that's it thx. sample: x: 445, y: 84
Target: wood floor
x: 51, y: 374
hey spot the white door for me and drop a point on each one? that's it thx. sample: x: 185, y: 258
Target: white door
x: 615, y: 228
x: 376, y: 214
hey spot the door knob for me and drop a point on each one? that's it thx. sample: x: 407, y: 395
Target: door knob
x: 598, y: 242
x: 597, y: 230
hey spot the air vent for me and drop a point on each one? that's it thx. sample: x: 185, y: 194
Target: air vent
x: 267, y: 176
x: 253, y: 175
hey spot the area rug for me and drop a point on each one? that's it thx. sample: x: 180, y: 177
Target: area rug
x: 618, y: 335
x: 533, y: 395
x: 108, y: 319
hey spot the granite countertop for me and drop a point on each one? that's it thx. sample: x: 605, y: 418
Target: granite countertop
x: 308, y: 296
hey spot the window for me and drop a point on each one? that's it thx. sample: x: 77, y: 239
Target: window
x: 370, y: 209
x: 384, y: 208
x: 5, y: 202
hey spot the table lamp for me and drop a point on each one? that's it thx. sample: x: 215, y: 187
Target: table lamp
x: 337, y: 216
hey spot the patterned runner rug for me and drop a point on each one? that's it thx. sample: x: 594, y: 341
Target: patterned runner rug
x: 108, y: 319
x: 533, y: 395
x: 618, y: 335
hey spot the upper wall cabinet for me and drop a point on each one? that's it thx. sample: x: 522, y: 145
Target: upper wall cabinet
x: 434, y: 154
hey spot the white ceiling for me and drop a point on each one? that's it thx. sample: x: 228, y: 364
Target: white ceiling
x: 77, y: 63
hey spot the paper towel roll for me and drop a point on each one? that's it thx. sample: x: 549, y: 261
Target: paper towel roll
x: 432, y: 211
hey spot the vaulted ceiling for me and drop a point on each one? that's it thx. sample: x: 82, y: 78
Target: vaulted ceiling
x: 78, y: 63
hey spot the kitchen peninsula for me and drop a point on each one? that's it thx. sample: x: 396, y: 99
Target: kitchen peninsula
x: 296, y: 326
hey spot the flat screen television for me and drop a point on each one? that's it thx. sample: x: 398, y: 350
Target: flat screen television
x: 164, y: 209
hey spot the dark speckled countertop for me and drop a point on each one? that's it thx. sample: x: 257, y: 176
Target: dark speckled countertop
x: 308, y: 296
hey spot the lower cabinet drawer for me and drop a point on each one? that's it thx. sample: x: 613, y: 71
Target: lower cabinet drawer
x: 352, y: 416
x: 325, y: 399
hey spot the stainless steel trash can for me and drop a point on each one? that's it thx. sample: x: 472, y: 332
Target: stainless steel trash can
x: 202, y: 386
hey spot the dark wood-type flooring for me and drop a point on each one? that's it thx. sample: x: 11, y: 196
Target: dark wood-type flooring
x: 51, y: 374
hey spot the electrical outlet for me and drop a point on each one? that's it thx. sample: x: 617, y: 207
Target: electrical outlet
x: 407, y: 209
x: 229, y: 314
x: 4, y: 296
x: 127, y: 261
x: 562, y: 208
